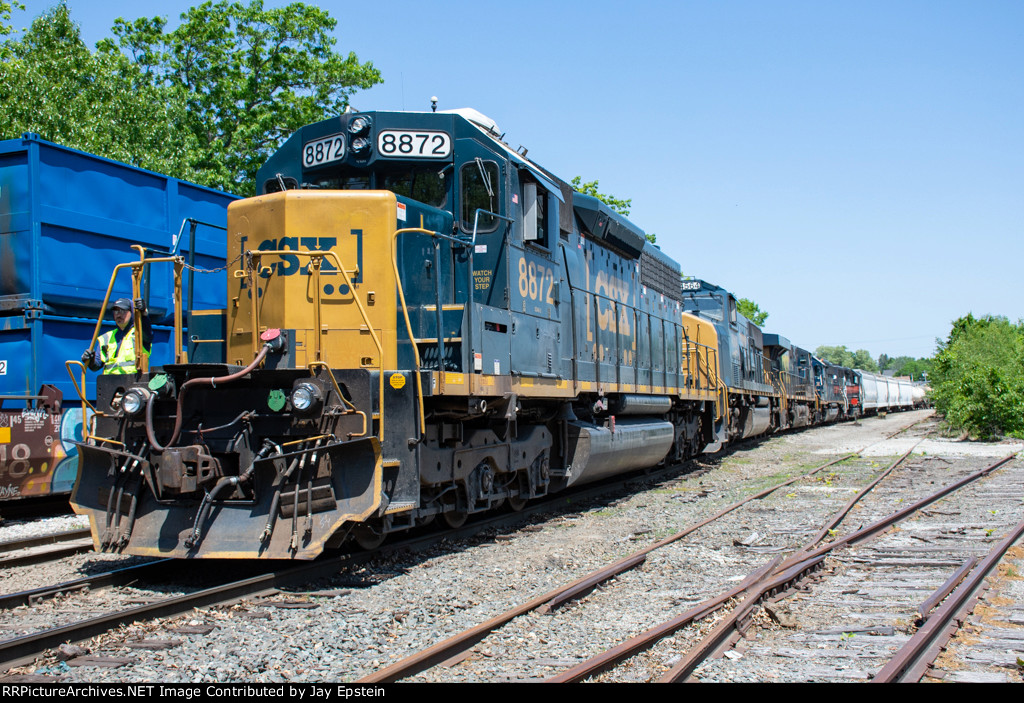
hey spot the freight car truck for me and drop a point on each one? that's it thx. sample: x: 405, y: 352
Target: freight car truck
x: 67, y: 218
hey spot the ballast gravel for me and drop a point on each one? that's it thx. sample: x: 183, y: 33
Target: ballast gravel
x: 377, y: 614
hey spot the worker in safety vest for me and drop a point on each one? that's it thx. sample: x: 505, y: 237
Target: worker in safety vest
x: 116, y: 349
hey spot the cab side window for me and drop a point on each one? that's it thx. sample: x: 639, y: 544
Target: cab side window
x: 479, y: 188
x: 535, y: 214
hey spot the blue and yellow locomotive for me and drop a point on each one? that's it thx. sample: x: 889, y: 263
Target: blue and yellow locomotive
x: 420, y: 321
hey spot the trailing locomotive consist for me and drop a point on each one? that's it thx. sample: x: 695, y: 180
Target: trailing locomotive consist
x: 421, y: 322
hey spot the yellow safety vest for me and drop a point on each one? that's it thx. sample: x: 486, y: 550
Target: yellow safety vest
x: 119, y: 360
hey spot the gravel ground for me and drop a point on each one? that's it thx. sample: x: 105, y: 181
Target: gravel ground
x: 11, y: 530
x: 862, y: 608
x: 420, y: 599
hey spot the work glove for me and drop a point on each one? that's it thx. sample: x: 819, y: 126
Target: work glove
x: 140, y: 305
x: 88, y: 356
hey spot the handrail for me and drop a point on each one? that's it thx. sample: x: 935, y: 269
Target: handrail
x: 81, y: 394
x: 337, y: 389
x: 253, y: 263
x: 408, y: 323
x: 141, y: 361
x: 195, y: 223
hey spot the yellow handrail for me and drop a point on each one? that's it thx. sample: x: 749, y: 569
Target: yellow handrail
x: 337, y: 389
x: 86, y: 405
x: 408, y: 322
x: 141, y: 361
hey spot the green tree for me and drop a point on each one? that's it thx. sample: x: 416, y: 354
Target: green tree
x: 620, y: 206
x: 977, y: 377
x: 835, y: 355
x: 590, y: 188
x: 52, y: 84
x: 5, y: 16
x: 252, y: 76
x: 750, y: 310
x: 860, y: 359
x: 863, y: 360
x: 916, y: 369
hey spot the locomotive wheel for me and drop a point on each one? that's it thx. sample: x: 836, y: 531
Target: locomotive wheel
x: 455, y: 518
x: 517, y: 503
x: 367, y: 538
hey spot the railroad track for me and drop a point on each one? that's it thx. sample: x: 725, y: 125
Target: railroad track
x: 767, y: 583
x: 311, y: 595
x: 36, y: 550
x: 69, y: 598
x: 457, y: 646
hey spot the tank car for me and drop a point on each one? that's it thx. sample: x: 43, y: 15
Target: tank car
x: 885, y: 393
x: 420, y: 322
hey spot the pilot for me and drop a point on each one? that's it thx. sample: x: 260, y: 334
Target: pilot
x: 117, y: 347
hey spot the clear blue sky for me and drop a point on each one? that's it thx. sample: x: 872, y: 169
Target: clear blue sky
x: 856, y: 168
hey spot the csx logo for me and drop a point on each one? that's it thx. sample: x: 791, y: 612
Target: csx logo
x: 289, y: 265
x: 608, y: 286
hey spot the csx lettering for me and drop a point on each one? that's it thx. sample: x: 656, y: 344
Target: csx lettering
x: 618, y: 291
x: 288, y: 264
x: 536, y: 282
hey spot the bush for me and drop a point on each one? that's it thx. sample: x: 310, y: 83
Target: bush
x: 978, y: 377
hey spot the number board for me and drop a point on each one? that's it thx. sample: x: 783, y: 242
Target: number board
x: 323, y: 151
x: 403, y: 144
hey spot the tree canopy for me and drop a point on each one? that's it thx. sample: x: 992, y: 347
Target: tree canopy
x: 977, y: 378
x: 590, y: 188
x: 751, y: 310
x: 616, y: 204
x: 860, y: 359
x: 251, y: 77
x: 5, y: 15
x: 208, y: 101
x: 50, y: 83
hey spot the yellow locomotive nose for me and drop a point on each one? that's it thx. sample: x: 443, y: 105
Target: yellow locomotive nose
x: 319, y: 265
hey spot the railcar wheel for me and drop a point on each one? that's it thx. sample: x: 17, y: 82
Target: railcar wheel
x: 517, y: 503
x: 455, y: 518
x: 367, y: 538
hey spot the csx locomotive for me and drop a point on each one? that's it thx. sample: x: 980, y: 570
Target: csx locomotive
x: 422, y: 322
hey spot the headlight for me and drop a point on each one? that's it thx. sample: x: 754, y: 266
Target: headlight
x: 134, y: 401
x: 359, y: 125
x: 305, y: 397
x: 360, y: 146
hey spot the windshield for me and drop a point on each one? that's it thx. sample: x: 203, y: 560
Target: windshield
x: 425, y: 184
